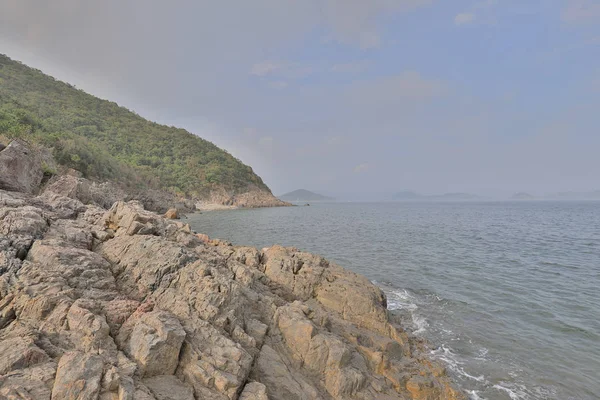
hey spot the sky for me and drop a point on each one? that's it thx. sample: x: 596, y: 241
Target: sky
x: 346, y: 96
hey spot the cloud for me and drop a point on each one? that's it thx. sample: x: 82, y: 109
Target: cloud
x: 355, y: 21
x: 281, y: 69
x: 581, y: 11
x: 408, y: 85
x: 264, y: 68
x: 351, y: 67
x: 361, y: 168
x: 464, y: 18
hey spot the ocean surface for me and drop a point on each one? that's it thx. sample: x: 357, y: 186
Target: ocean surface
x: 507, y: 293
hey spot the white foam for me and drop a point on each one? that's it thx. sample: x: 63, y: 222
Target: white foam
x: 448, y: 356
x: 517, y: 393
x: 474, y: 395
x: 402, y: 300
x: 420, y: 323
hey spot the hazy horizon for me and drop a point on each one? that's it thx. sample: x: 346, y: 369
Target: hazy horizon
x: 390, y: 195
x: 486, y: 97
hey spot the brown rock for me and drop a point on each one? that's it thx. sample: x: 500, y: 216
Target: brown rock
x: 168, y: 387
x: 155, y: 342
x: 254, y: 391
x: 78, y: 377
x: 172, y: 214
x: 20, y: 168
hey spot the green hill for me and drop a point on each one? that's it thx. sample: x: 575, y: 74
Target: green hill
x: 108, y: 142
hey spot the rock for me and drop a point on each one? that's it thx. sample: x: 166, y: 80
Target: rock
x: 251, y: 197
x: 20, y: 168
x: 281, y: 381
x: 18, y: 353
x: 168, y: 387
x: 155, y: 342
x: 254, y: 391
x: 172, y: 214
x: 88, y: 192
x: 203, y: 237
x: 78, y: 377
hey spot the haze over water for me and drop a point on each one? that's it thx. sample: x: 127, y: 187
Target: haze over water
x: 507, y: 293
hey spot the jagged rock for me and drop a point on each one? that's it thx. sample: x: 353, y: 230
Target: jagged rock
x: 168, y: 387
x: 20, y: 168
x: 281, y: 381
x: 88, y: 192
x: 64, y: 207
x: 19, y: 353
x: 254, y: 391
x: 78, y: 377
x: 155, y: 342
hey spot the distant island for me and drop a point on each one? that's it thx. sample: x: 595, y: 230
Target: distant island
x: 304, y: 195
x: 522, y: 196
x: 412, y: 196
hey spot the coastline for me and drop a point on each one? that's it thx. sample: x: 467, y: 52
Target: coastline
x: 289, y: 322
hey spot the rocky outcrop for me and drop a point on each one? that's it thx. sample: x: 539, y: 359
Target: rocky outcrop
x: 20, y: 168
x: 28, y: 169
x: 106, y: 194
x: 252, y: 197
x: 125, y: 304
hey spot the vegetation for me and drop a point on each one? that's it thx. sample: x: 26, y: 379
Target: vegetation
x: 108, y: 142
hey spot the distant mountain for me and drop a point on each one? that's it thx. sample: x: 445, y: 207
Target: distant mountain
x: 522, y: 196
x: 304, y: 195
x: 412, y: 196
x: 456, y: 196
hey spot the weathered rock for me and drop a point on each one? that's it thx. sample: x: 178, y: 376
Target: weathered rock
x: 155, y: 342
x: 19, y: 353
x: 88, y: 192
x: 168, y: 387
x: 254, y: 391
x: 78, y: 377
x: 20, y: 168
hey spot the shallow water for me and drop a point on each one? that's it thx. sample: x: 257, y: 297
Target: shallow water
x: 508, y: 293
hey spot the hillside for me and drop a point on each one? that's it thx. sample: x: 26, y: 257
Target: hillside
x: 303, y: 195
x: 106, y: 142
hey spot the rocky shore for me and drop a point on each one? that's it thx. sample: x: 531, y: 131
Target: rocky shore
x: 29, y: 169
x: 101, y: 299
x: 125, y: 304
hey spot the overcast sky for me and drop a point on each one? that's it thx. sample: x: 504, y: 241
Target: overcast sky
x: 345, y: 96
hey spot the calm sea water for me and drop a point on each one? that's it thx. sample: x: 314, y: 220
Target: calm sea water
x: 508, y: 293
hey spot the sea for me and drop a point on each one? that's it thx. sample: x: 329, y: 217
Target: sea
x: 506, y: 293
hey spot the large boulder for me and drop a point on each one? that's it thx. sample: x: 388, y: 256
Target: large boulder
x: 155, y: 342
x: 20, y: 168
